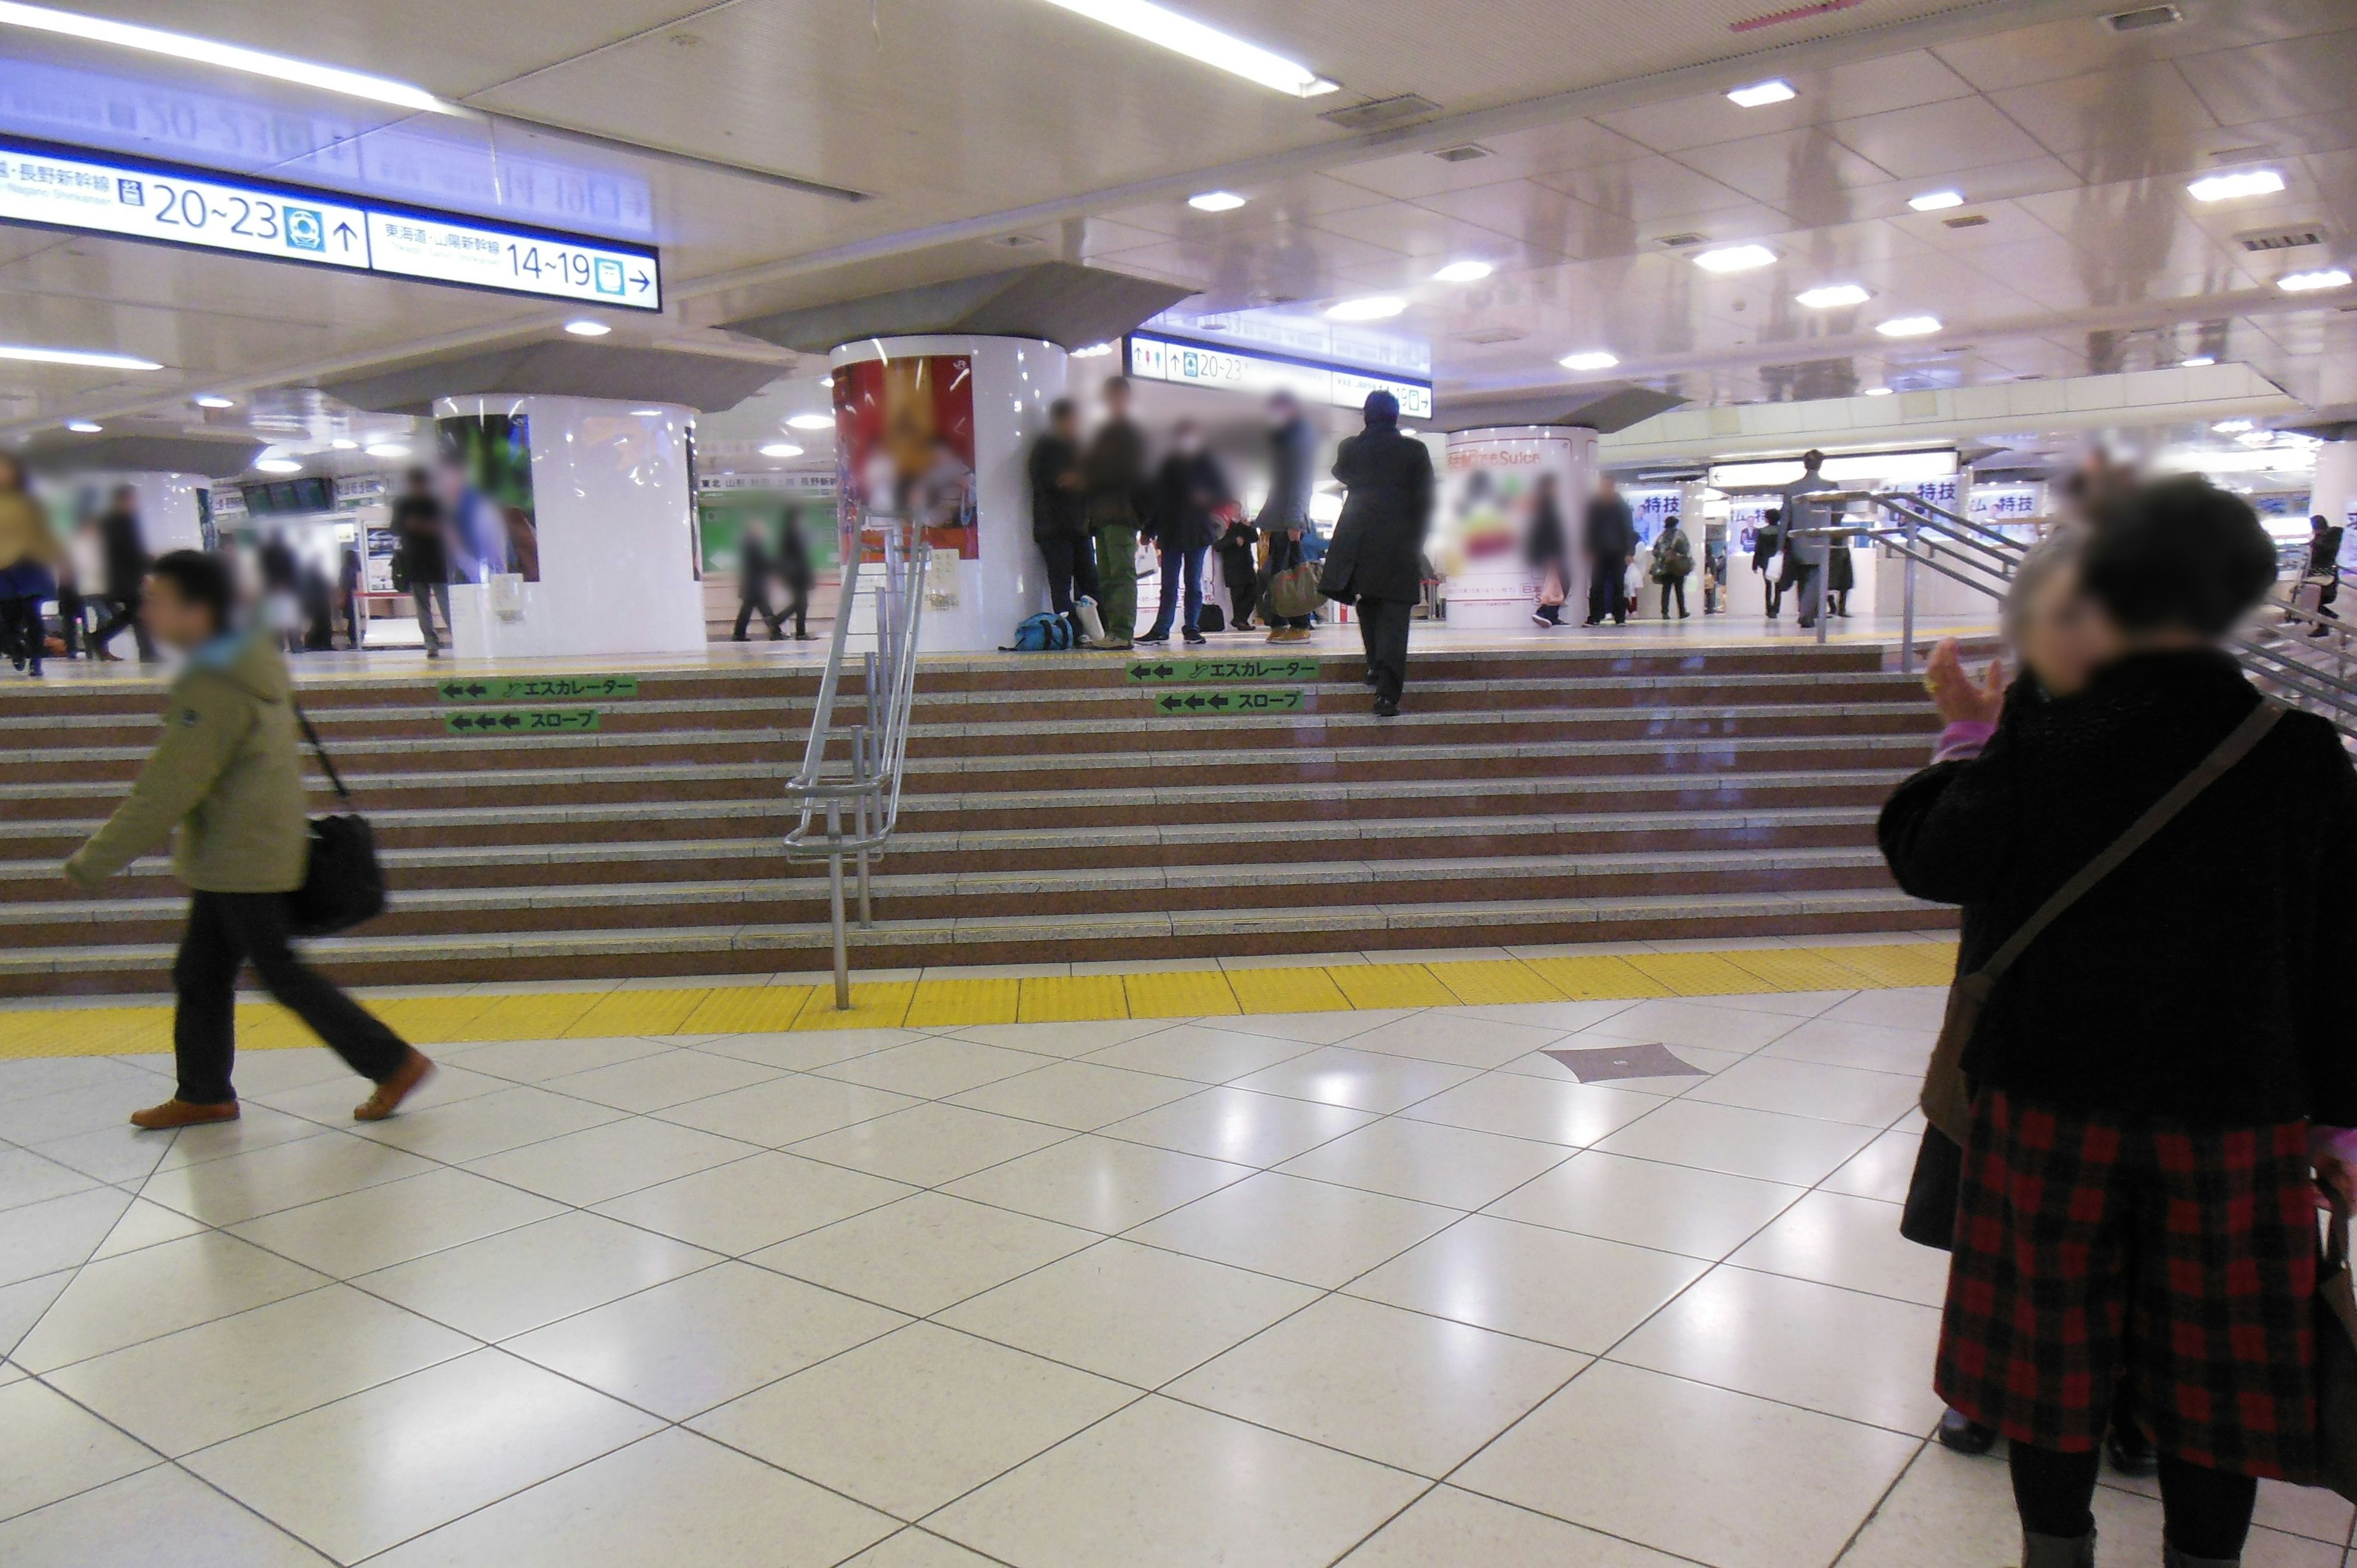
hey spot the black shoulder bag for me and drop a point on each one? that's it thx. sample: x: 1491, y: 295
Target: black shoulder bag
x: 343, y: 884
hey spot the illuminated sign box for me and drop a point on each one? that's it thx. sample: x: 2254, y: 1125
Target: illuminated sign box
x: 1175, y: 359
x: 106, y: 194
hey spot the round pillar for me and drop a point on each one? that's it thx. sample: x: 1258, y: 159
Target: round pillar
x: 2333, y: 491
x: 1492, y: 476
x: 940, y: 425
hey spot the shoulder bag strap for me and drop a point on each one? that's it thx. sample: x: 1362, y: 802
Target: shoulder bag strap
x: 325, y: 760
x: 2229, y: 751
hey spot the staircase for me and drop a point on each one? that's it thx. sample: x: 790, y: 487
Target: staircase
x: 1055, y: 812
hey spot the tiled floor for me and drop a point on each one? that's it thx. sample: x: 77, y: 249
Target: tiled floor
x: 1391, y: 1288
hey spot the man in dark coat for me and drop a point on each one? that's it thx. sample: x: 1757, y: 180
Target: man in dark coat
x: 123, y: 545
x: 794, y: 572
x: 1284, y: 519
x: 1114, y: 480
x: 1374, y: 561
x: 1060, y: 516
x: 754, y: 569
x: 1766, y: 546
x: 1189, y: 491
x: 418, y: 528
x: 1609, y: 537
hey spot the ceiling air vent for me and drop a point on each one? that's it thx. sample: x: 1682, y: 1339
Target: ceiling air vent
x: 1019, y: 241
x: 1680, y: 241
x: 1463, y: 153
x: 2290, y: 239
x: 1486, y: 336
x: 2143, y: 17
x: 1382, y: 113
x: 1969, y: 221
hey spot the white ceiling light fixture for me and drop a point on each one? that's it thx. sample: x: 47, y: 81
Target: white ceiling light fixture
x: 83, y: 426
x: 1590, y: 359
x: 228, y: 57
x: 1375, y: 308
x: 1832, y: 296
x: 2198, y: 361
x: 88, y: 358
x: 1878, y: 392
x: 585, y: 328
x: 2226, y: 187
x: 1910, y: 326
x: 2309, y: 282
x: 388, y: 449
x: 1936, y: 200
x: 2233, y: 426
x: 278, y: 466
x: 780, y: 449
x: 342, y: 445
x: 214, y: 400
x: 1760, y: 94
x: 1186, y: 36
x: 813, y: 422
x: 1093, y: 351
x: 826, y: 383
x: 1463, y: 272
x: 1736, y: 259
x: 1216, y: 201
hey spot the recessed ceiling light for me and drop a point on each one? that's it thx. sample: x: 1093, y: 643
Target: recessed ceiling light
x: 1833, y: 295
x: 229, y: 57
x: 1186, y: 36
x: 2226, y: 187
x: 1590, y: 359
x: 1761, y: 93
x: 1093, y: 351
x: 2231, y: 426
x: 813, y: 422
x: 780, y: 449
x: 2307, y: 283
x: 1910, y: 326
x: 1736, y: 259
x: 1463, y: 272
x: 585, y: 328
x: 340, y: 444
x: 388, y: 449
x: 826, y: 383
x: 87, y: 358
x: 214, y: 400
x: 2198, y: 360
x: 279, y: 466
x: 646, y: 413
x: 1877, y: 391
x: 1936, y: 200
x: 83, y: 427
x: 1375, y: 308
x: 1216, y: 201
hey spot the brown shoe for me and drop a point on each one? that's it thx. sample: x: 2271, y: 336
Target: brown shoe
x: 414, y: 1070
x: 177, y: 1113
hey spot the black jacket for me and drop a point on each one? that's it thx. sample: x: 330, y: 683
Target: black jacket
x: 1057, y: 512
x: 2199, y: 980
x: 753, y: 564
x: 417, y: 524
x: 1112, y: 476
x: 1187, y: 490
x: 1546, y: 545
x: 793, y: 553
x: 124, y: 548
x: 1380, y: 539
x: 1765, y: 544
x: 1610, y: 531
x: 1292, y: 452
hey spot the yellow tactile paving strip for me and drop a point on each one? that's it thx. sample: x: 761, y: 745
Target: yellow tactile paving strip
x: 947, y: 1002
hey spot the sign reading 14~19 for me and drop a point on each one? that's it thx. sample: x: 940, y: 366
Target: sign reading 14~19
x: 71, y: 188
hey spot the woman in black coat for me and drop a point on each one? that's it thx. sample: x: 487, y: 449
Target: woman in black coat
x: 1373, y: 561
x: 1548, y: 548
x: 2157, y: 1077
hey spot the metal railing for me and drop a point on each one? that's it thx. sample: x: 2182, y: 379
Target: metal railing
x: 860, y: 780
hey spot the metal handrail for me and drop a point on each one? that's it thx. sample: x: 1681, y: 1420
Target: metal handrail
x: 866, y: 780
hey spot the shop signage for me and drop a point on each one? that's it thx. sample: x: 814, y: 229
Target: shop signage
x: 519, y: 722
x: 1301, y: 669
x: 540, y: 689
x: 1188, y: 702
x: 1157, y: 359
x: 106, y: 193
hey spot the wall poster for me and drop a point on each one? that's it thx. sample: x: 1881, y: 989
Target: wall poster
x: 904, y: 446
x: 484, y: 479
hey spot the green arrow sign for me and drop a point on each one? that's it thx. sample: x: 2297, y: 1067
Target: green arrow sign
x: 537, y: 689
x: 1184, y: 704
x: 1300, y: 667
x: 523, y: 721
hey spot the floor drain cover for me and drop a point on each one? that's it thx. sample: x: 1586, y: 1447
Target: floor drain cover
x: 1603, y: 1063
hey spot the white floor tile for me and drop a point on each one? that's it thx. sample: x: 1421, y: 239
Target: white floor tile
x: 1312, y: 1028
x: 1563, y: 1018
x: 58, y: 1232
x: 1570, y: 1114
x: 489, y: 1123
x: 1853, y: 1242
x: 605, y: 1161
x: 1076, y: 1094
x: 925, y: 1252
x: 161, y: 1518
x: 1429, y: 1161
x: 245, y: 1187
x: 657, y: 1082
x: 802, y: 1051
x: 934, y: 1068
x: 507, y: 1284
x: 144, y: 1224
x: 1918, y: 1007
x: 1867, y: 1046
x: 1312, y: 1232
x: 1099, y: 1184
x: 926, y: 1146
x: 1363, y: 1081
x: 26, y: 1178
x: 1704, y: 1214
x: 1459, y: 1038
x: 331, y: 1101
x: 22, y: 1304
x: 1809, y: 1089
x: 1201, y: 1052
x: 378, y: 1227
x: 1064, y: 1039
x: 1760, y: 1143
x: 536, y: 1061
x: 1576, y: 1292
x: 914, y: 1548
x: 159, y: 1290
x: 1450, y: 1526
x: 1238, y: 1125
x: 1882, y: 1169
x: 787, y: 1110
x: 1703, y: 1060
x: 258, y: 1126
x: 746, y: 1205
x: 51, y: 1447
x: 1677, y: 1022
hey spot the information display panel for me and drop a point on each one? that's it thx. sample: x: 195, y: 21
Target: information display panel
x: 1158, y: 358
x: 106, y: 193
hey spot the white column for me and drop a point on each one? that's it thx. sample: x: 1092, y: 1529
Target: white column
x: 613, y: 521
x: 2333, y: 492
x: 1485, y: 518
x: 1009, y: 383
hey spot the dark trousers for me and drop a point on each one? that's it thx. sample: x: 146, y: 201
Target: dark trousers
x: 1244, y: 586
x: 1283, y: 554
x: 126, y: 614
x: 797, y: 609
x: 227, y: 930
x: 752, y: 597
x: 1674, y: 586
x: 1072, y: 570
x: 1383, y: 627
x: 424, y: 597
x: 352, y: 620
x: 71, y: 626
x: 1179, y: 564
x: 2204, y: 1513
x: 22, y: 636
x: 1608, y: 590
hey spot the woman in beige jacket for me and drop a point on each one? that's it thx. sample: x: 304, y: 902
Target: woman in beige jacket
x: 29, y: 555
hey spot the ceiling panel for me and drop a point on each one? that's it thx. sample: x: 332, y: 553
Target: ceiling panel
x: 1573, y: 144
x: 2307, y: 75
x: 2020, y: 56
x: 2117, y: 109
x: 1933, y: 139
x: 1804, y: 173
x: 1868, y: 87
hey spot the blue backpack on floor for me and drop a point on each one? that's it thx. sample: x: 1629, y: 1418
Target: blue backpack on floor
x: 1043, y: 633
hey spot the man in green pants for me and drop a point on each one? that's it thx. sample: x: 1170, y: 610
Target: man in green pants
x: 1113, y: 477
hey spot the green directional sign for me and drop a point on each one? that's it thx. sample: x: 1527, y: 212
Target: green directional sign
x: 523, y: 720
x: 1245, y: 702
x: 536, y: 689
x: 1299, y: 668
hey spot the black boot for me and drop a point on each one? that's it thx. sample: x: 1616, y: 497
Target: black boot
x: 2172, y: 1558
x: 2057, y: 1550
x: 1961, y: 1434
x: 2130, y: 1450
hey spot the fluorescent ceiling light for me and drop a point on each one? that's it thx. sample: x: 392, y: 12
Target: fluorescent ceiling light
x: 1761, y: 93
x: 228, y: 57
x: 1910, y: 326
x: 1877, y: 391
x: 782, y: 449
x: 813, y: 422
x: 1591, y: 360
x: 646, y: 413
x: 388, y: 449
x: 1093, y: 351
x: 83, y: 427
x: 1736, y: 259
x: 1216, y: 201
x: 1186, y: 36
x: 1833, y: 295
x: 585, y: 328
x: 2225, y: 187
x: 340, y: 444
x: 279, y: 466
x: 2307, y: 283
x: 2231, y: 426
x: 214, y: 400
x: 1375, y: 308
x: 1936, y: 200
x: 82, y: 356
x: 2198, y: 360
x: 1463, y: 272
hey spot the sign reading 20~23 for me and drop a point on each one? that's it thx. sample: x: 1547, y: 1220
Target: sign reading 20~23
x: 69, y: 188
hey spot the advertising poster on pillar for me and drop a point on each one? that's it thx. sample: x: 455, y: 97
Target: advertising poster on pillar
x: 1494, y: 489
x: 904, y: 446
x: 484, y: 474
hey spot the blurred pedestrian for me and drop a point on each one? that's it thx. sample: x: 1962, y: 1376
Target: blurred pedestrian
x: 1060, y: 512
x: 123, y: 544
x: 1547, y: 551
x: 1114, y: 479
x: 420, y: 530
x: 1375, y: 560
x: 1283, y: 522
x: 1609, y: 537
x: 1673, y: 564
x: 29, y: 554
x: 1189, y: 489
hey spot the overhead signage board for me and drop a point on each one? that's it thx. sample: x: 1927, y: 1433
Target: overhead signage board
x: 1154, y: 358
x: 104, y: 193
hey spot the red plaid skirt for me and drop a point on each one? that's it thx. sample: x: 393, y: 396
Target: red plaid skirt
x: 2090, y: 1246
